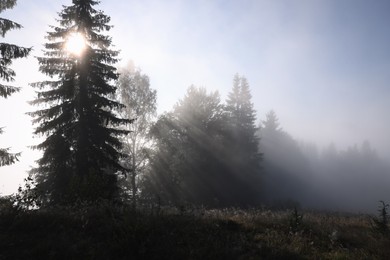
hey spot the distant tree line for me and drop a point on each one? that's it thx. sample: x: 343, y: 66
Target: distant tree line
x: 299, y: 173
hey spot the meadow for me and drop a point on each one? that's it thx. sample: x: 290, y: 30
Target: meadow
x: 106, y: 231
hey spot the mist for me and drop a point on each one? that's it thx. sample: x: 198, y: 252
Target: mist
x: 322, y: 66
x: 350, y: 179
x: 197, y: 161
x: 253, y: 129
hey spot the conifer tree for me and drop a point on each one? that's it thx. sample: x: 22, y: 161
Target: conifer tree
x: 8, y: 52
x: 81, y: 150
x: 241, y: 118
x: 286, y: 167
x: 271, y: 123
x: 242, y: 141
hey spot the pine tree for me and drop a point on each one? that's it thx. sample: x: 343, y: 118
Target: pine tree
x: 81, y: 151
x: 9, y: 52
x: 242, y: 140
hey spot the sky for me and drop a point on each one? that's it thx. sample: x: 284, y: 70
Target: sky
x: 321, y: 65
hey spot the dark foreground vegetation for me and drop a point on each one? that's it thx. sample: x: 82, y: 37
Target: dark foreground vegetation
x: 117, y: 232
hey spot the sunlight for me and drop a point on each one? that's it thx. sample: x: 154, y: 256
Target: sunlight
x: 75, y: 44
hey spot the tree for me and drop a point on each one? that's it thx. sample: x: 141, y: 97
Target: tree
x: 242, y: 140
x: 271, y: 123
x: 200, y: 156
x: 9, y: 52
x: 81, y: 151
x: 241, y: 118
x: 189, y: 164
x: 140, y: 100
x: 287, y: 172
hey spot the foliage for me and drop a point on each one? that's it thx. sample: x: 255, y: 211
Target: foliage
x: 140, y: 100
x: 271, y: 123
x: 242, y: 142
x: 381, y: 223
x: 241, y: 128
x: 81, y: 151
x: 207, y: 153
x: 295, y: 220
x: 27, y: 196
x: 188, y: 163
x: 7, y: 158
x: 287, y: 171
x: 106, y: 231
x: 8, y: 53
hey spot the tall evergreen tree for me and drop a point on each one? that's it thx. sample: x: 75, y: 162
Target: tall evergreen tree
x: 242, y: 141
x: 8, y: 52
x: 81, y: 151
x: 241, y: 119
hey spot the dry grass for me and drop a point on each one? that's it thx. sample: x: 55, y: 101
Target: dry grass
x: 112, y: 232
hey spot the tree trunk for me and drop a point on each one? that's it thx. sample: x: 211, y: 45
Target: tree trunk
x: 133, y: 185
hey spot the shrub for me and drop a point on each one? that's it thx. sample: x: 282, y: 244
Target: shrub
x: 380, y: 223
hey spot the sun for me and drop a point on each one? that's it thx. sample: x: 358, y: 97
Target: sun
x: 75, y: 44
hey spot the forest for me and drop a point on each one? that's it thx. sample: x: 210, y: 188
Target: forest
x: 208, y: 179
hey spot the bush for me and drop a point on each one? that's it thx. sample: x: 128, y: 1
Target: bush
x: 381, y: 222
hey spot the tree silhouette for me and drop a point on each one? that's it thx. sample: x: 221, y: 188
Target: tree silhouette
x: 286, y: 168
x: 81, y: 151
x: 242, y: 140
x: 8, y: 52
x: 271, y: 123
x: 207, y: 153
x: 186, y: 165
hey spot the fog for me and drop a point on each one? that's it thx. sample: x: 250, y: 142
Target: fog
x: 197, y: 162
x: 354, y: 179
x: 322, y: 66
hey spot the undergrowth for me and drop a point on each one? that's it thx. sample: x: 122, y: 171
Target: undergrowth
x: 106, y: 231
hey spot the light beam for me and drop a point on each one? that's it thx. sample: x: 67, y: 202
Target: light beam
x: 75, y: 44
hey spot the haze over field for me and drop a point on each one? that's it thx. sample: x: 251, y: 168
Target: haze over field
x: 322, y: 66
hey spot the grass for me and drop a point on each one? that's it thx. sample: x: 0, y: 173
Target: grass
x: 113, y: 232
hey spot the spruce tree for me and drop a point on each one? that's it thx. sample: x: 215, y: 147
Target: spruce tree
x: 270, y: 126
x: 284, y: 162
x: 81, y: 151
x: 9, y: 52
x: 242, y: 141
x: 241, y: 118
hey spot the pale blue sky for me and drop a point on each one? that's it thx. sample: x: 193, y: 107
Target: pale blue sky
x: 322, y: 65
